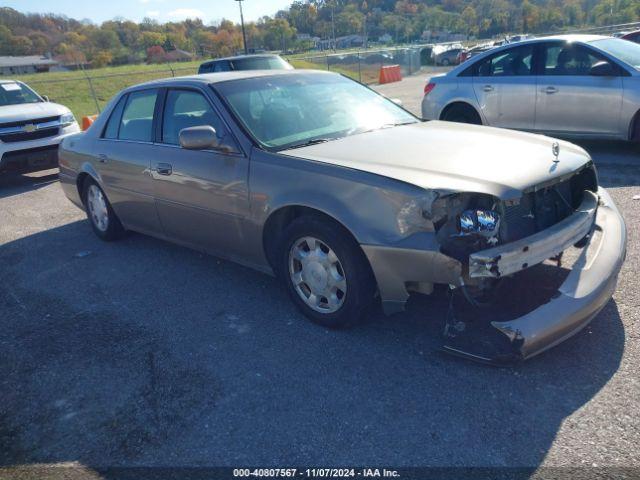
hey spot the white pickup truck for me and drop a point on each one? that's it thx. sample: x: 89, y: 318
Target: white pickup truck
x: 31, y: 128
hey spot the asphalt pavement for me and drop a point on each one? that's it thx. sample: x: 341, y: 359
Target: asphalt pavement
x: 141, y: 352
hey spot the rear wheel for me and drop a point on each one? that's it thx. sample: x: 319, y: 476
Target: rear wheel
x: 326, y: 273
x: 103, y: 219
x: 462, y: 114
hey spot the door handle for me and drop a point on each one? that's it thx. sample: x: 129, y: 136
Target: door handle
x: 102, y: 158
x: 487, y: 88
x: 550, y: 90
x: 164, y: 169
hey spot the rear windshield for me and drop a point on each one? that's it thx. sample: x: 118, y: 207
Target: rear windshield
x: 260, y: 63
x: 625, y: 50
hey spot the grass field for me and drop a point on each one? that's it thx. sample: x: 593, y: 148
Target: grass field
x: 74, y: 90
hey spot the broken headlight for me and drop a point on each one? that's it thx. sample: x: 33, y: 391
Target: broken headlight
x: 483, y: 222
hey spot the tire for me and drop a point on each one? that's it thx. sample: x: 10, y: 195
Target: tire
x: 446, y: 62
x: 462, y: 114
x: 336, y: 273
x: 103, y: 219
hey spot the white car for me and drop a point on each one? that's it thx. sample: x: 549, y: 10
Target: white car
x: 31, y: 128
x: 567, y: 85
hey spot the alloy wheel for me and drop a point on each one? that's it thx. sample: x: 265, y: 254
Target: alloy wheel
x: 97, y: 205
x: 317, y: 275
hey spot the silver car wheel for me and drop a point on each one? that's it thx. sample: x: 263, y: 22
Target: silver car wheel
x: 317, y: 275
x: 97, y: 206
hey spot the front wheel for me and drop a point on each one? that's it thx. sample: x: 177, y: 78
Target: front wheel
x: 325, y: 271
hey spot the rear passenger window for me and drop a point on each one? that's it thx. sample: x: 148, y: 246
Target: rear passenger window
x: 184, y: 109
x: 223, y: 66
x: 137, y: 118
x: 509, y: 63
x: 111, y: 131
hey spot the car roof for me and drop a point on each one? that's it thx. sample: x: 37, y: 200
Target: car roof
x: 219, y: 77
x: 238, y: 57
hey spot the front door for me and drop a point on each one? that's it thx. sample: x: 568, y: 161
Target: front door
x: 572, y: 101
x: 201, y: 195
x: 505, y: 87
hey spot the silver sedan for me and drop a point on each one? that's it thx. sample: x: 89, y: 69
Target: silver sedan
x: 567, y: 85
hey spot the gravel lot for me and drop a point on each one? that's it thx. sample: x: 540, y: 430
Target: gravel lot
x: 144, y: 353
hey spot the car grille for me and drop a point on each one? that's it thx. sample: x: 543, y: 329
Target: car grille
x: 16, y: 132
x: 22, y: 137
x: 544, y: 207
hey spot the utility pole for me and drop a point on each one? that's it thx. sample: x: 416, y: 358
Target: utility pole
x: 333, y: 25
x: 244, y: 35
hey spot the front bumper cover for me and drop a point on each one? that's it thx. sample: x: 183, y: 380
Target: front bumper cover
x: 585, y: 291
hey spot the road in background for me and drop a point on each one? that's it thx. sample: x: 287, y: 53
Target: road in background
x: 141, y: 352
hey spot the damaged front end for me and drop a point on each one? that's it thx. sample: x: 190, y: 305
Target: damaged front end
x: 499, y: 242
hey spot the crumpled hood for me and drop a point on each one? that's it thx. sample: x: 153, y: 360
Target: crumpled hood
x: 29, y: 111
x: 452, y: 156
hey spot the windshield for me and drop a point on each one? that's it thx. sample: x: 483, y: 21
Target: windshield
x: 625, y: 50
x: 14, y: 93
x: 286, y: 111
x: 260, y: 63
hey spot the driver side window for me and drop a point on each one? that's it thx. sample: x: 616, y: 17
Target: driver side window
x: 566, y: 59
x: 188, y: 108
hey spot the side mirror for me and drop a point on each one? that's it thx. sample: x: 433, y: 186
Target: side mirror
x: 603, y: 69
x: 45, y: 98
x: 199, y: 138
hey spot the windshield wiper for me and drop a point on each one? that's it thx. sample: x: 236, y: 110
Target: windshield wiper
x: 310, y: 142
x: 398, y: 124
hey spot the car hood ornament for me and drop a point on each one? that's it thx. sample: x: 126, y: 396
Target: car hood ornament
x: 555, y: 149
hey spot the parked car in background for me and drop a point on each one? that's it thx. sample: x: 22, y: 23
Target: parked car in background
x: 466, y: 54
x: 31, y: 128
x: 448, y: 57
x: 568, y: 85
x: 632, y: 36
x: 345, y: 195
x: 245, y: 62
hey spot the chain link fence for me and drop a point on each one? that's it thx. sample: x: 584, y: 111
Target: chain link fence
x: 364, y: 66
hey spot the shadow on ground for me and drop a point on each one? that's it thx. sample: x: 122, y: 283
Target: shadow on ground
x: 144, y: 353
x: 15, y: 184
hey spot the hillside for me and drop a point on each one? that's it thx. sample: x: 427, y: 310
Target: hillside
x: 121, y: 41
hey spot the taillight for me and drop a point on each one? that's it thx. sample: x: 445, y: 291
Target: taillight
x: 428, y: 87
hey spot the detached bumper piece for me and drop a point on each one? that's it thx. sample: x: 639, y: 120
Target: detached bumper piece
x: 30, y: 160
x: 585, y: 291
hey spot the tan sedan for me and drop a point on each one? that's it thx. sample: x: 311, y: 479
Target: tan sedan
x: 348, y: 198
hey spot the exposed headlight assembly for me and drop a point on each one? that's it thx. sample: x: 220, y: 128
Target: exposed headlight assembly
x: 482, y: 222
x: 67, y: 119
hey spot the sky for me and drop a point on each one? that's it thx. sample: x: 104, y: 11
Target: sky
x: 160, y: 10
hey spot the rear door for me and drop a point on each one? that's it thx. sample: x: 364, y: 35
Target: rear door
x: 123, y: 158
x: 201, y: 195
x: 505, y: 87
x: 572, y: 101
